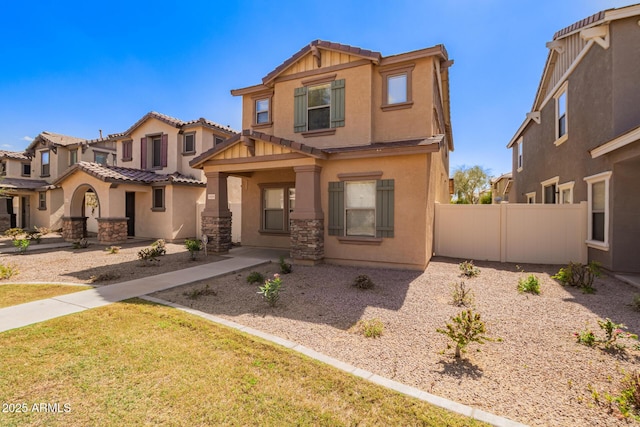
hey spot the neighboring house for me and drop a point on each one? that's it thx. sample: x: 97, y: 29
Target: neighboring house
x: 152, y: 192
x: 581, y: 140
x: 500, y: 188
x: 343, y: 155
x: 28, y: 177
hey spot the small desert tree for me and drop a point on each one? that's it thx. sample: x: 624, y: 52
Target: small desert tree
x: 468, y: 182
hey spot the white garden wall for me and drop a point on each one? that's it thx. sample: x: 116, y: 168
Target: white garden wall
x: 524, y: 233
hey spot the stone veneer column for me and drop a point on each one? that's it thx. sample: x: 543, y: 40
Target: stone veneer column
x: 74, y: 227
x: 112, y: 230
x: 5, y: 216
x: 307, y: 219
x: 216, y: 216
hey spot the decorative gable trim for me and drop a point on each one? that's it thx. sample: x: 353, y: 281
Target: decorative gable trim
x: 599, y: 34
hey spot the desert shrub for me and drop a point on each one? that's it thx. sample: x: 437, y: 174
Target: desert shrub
x: 586, y: 337
x: 461, y: 296
x: 193, y: 246
x: 629, y: 399
x: 271, y: 289
x: 14, y: 233
x: 104, y: 277
x: 113, y: 249
x: 7, y: 271
x: 468, y: 269
x: 34, y: 235
x: 579, y: 275
x: 362, y: 281
x: 531, y: 285
x: 152, y: 254
x: 371, y: 328
x: 285, y: 268
x: 466, y: 327
x: 197, y: 293
x: 635, y: 302
x: 612, y: 333
x: 21, y: 245
x: 255, y: 277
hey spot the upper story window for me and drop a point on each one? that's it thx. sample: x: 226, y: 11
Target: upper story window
x: 73, y: 157
x: 217, y: 140
x: 561, y: 115
x: 154, y: 149
x: 318, y: 108
x: 520, y: 158
x: 100, y: 157
x: 127, y: 151
x: 262, y: 111
x: 26, y: 169
x: 397, y: 87
x: 189, y: 143
x: 44, y: 162
x: 3, y: 168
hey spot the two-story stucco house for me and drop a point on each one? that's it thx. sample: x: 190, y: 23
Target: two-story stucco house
x: 343, y: 155
x: 152, y: 192
x: 27, y: 177
x: 581, y: 140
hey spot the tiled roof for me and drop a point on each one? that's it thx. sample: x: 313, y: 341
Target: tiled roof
x: 13, y: 155
x: 128, y: 175
x: 580, y: 24
x: 22, y: 183
x: 209, y: 123
x: 54, y: 139
x: 159, y: 116
x: 351, y: 50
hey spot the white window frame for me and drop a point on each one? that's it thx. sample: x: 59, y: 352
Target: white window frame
x: 531, y: 197
x: 590, y: 180
x: 348, y: 209
x: 520, y: 158
x: 551, y: 181
x: 406, y: 88
x: 318, y: 107
x: 566, y: 186
x: 559, y: 139
x: 266, y: 100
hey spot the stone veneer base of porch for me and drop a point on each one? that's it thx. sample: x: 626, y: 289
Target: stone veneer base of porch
x: 112, y: 230
x: 307, y: 241
x: 74, y: 228
x: 218, y: 232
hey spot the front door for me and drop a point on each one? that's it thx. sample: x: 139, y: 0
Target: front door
x: 130, y: 212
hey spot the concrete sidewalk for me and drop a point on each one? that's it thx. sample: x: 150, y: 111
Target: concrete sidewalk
x: 38, y: 311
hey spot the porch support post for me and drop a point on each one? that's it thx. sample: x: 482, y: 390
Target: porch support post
x: 74, y: 228
x: 307, y: 219
x: 5, y: 216
x: 216, y: 216
x: 112, y: 230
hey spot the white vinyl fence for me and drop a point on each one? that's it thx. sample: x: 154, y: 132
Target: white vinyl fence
x: 525, y: 233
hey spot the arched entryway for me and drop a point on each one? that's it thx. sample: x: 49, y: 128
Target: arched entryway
x: 84, y: 204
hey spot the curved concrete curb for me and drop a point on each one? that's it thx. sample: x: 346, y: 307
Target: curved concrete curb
x: 369, y: 376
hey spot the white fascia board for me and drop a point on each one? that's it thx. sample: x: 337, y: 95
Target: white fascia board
x: 616, y: 143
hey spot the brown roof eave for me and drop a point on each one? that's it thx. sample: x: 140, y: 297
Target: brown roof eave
x: 250, y: 89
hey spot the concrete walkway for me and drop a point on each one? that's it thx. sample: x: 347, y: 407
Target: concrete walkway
x: 241, y: 258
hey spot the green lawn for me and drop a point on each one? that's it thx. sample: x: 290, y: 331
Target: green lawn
x: 137, y: 363
x: 19, y: 294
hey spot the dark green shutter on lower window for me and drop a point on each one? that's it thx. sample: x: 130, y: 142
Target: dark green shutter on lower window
x: 336, y: 208
x: 337, y: 103
x: 300, y: 109
x: 384, y: 207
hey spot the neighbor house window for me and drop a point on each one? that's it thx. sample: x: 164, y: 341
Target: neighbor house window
x: 158, y: 199
x: 520, y: 160
x: 73, y: 157
x: 154, y: 150
x: 189, y: 143
x: 396, y: 87
x: 361, y: 208
x: 277, y: 204
x: 561, y: 115
x: 127, y: 151
x: 319, y: 107
x: 26, y: 169
x: 100, y: 157
x: 566, y: 193
x: 549, y: 190
x: 44, y: 161
x: 598, y: 203
x: 42, y: 200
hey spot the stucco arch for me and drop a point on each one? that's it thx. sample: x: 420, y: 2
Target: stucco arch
x: 76, y: 205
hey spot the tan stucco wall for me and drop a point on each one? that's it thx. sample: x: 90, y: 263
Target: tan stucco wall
x: 413, y: 217
x: 14, y: 168
x: 185, y: 201
x: 152, y: 127
x: 411, y: 122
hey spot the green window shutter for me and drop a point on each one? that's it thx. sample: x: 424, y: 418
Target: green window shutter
x: 300, y: 109
x: 337, y: 103
x: 336, y: 208
x: 384, y: 208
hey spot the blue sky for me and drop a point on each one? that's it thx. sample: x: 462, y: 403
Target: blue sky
x: 74, y: 67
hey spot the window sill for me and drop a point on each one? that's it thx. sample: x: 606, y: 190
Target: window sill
x: 273, y: 232
x: 595, y: 244
x: 126, y: 160
x: 188, y: 153
x: 351, y: 240
x: 42, y: 209
x: 158, y: 209
x: 519, y: 169
x: 45, y: 176
x: 560, y: 140
x: 398, y: 106
x: 262, y: 125
x: 319, y: 132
